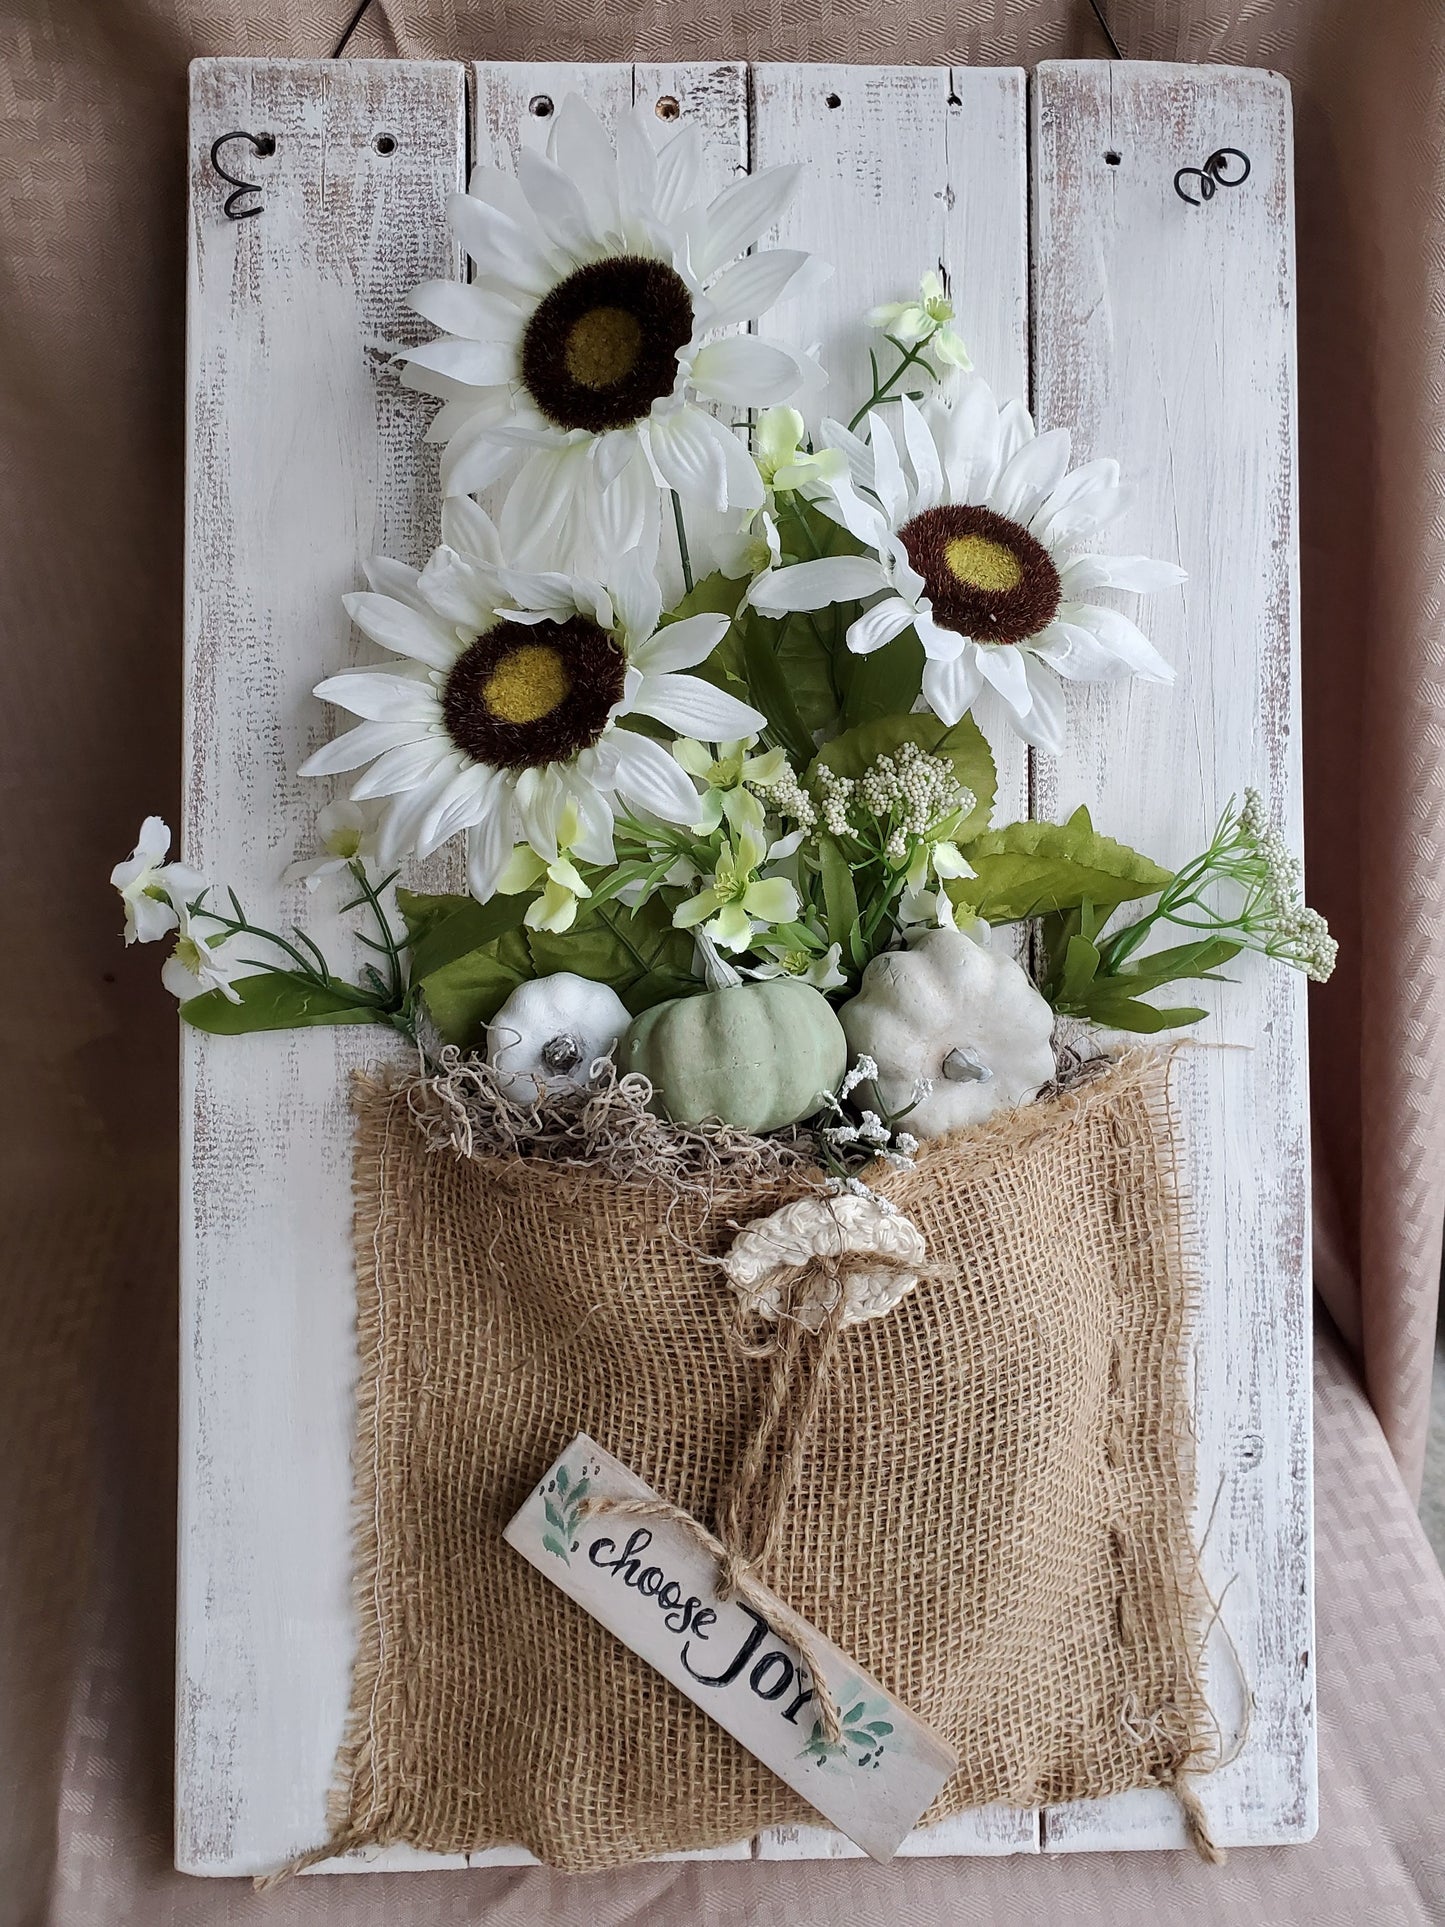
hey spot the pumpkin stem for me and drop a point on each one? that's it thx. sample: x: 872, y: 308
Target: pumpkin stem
x: 963, y: 1065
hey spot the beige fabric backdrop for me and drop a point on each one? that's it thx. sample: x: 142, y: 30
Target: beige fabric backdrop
x: 91, y: 311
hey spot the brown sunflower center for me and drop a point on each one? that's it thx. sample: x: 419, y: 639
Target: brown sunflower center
x: 986, y: 576
x: 601, y: 348
x: 529, y: 693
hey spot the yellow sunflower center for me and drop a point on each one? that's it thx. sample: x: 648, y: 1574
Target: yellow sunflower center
x: 527, y: 684
x: 603, y: 346
x: 981, y: 563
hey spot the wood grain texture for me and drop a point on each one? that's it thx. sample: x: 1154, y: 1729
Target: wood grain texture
x: 304, y: 457
x: 1166, y: 343
x: 1164, y: 335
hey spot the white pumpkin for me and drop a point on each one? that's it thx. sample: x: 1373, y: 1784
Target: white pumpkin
x: 963, y: 1016
x: 551, y: 1031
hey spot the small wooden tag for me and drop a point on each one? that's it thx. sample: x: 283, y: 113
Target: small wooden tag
x: 649, y: 1583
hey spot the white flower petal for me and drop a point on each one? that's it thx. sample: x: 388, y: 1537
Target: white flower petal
x: 741, y: 214
x: 378, y: 697
x: 1076, y: 653
x: 622, y: 514
x: 951, y: 688
x: 463, y: 802
x: 888, y: 483
x: 813, y: 585
x: 681, y: 645
x: 833, y: 434
x: 403, y: 816
x: 1139, y: 574
x: 647, y: 778
x: 360, y: 745
x: 555, y: 199
x: 482, y: 364
x: 579, y: 145
x: 879, y: 625
x: 460, y: 591
x: 593, y: 841
x: 542, y: 505
x: 754, y: 284
x: 403, y: 630
x: 1086, y: 499
x: 1119, y: 635
x: 636, y: 599
x: 476, y: 314
x: 1030, y: 475
x: 1002, y: 665
x: 939, y: 644
x: 400, y: 769
x: 636, y: 168
x: 1043, y: 726
x: 500, y: 245
x: 859, y: 515
x: 695, y: 708
x: 744, y: 372
x: 679, y: 173
x: 490, y: 843
x: 467, y: 528
x: 689, y: 456
x: 923, y: 456
x: 397, y: 580
x: 474, y: 458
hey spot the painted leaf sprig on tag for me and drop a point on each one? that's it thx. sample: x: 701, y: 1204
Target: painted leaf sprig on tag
x: 864, y: 1738
x: 563, y: 1505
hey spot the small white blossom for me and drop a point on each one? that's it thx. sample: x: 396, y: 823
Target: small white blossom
x: 348, y: 835
x: 928, y: 318
x: 200, y: 963
x: 153, y: 891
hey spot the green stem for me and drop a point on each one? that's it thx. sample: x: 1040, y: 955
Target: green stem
x: 911, y: 358
x: 682, y: 542
x: 383, y: 924
x: 243, y: 927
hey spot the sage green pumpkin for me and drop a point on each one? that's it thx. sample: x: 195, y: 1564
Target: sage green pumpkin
x: 760, y: 1056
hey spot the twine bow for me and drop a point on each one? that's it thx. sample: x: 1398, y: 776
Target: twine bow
x: 752, y: 1511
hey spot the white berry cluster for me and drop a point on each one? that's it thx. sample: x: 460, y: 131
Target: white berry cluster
x: 909, y: 792
x: 1294, y: 933
x: 787, y: 796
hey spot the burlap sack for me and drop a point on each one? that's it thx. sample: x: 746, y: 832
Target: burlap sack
x: 991, y: 1513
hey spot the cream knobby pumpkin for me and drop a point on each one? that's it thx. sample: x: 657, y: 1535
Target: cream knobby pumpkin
x: 551, y: 1031
x: 759, y: 1056
x: 958, y: 1014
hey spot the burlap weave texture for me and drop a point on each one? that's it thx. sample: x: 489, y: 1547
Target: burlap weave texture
x: 992, y: 1513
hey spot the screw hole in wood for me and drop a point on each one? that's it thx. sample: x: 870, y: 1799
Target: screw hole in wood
x: 1112, y: 159
x: 540, y: 105
x: 668, y: 108
x: 385, y: 143
x: 835, y: 100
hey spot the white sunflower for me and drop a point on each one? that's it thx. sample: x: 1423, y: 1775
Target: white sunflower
x: 578, y: 358
x: 502, y: 721
x: 976, y: 525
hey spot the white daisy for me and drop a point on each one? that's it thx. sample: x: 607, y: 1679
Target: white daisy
x: 578, y: 357
x: 502, y: 720
x: 975, y: 526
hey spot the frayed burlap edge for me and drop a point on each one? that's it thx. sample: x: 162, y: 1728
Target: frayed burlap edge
x: 1182, y: 1743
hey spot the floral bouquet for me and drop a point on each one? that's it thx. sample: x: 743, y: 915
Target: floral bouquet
x: 701, y: 705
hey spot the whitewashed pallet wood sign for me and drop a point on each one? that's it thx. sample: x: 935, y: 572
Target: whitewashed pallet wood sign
x: 1160, y: 332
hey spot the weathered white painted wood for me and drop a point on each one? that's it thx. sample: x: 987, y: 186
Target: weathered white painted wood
x: 304, y: 456
x: 1164, y: 334
x: 908, y: 168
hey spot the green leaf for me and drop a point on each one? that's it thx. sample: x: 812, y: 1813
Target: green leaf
x: 768, y: 688
x: 962, y: 743
x: 808, y: 664
x: 1030, y: 869
x: 1081, y: 966
x: 840, y: 898
x: 883, y: 683
x: 1198, y: 960
x: 880, y: 1728
x: 552, y: 1544
x: 439, y: 929
x: 564, y: 1479
x: 554, y: 1516
x: 638, y: 952
x: 279, y: 1000
x: 1129, y: 1013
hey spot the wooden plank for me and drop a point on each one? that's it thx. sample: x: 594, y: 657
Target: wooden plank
x: 304, y: 456
x: 907, y: 168
x: 1164, y: 335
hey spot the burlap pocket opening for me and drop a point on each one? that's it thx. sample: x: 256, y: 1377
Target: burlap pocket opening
x: 991, y: 1511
